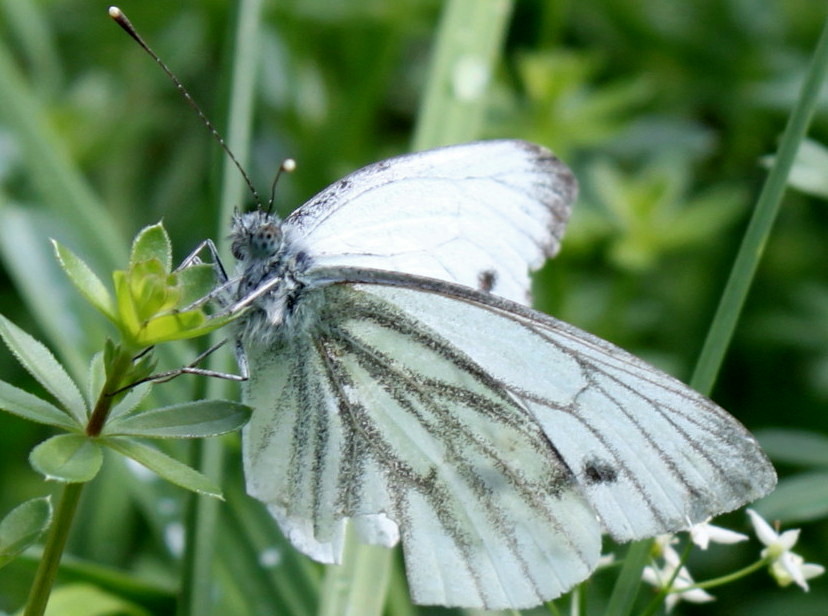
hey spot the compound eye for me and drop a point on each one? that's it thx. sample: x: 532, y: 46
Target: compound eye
x: 267, y: 239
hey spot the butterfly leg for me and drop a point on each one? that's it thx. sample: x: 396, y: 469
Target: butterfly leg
x: 224, y: 281
x: 193, y: 368
x: 194, y: 259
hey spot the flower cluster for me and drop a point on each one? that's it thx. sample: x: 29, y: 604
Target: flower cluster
x: 668, y: 573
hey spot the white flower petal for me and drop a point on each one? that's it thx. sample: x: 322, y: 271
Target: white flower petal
x: 812, y: 570
x: 789, y: 538
x: 763, y: 530
x: 704, y: 533
x: 792, y: 564
x: 697, y: 595
x: 651, y: 576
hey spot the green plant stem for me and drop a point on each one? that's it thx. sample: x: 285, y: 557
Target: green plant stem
x: 731, y: 577
x: 119, y: 366
x: 758, y: 231
x: 52, y: 552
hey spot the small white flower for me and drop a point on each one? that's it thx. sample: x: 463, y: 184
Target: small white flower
x: 681, y: 588
x: 704, y: 533
x: 786, y: 566
x: 663, y: 548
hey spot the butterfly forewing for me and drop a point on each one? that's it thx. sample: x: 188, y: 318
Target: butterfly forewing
x: 482, y: 214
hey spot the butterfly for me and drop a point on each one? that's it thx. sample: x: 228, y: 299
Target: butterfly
x: 400, y: 383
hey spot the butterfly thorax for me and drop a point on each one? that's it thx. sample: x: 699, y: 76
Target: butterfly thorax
x: 271, y: 269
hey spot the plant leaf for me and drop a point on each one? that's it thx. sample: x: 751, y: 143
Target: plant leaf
x: 85, y: 280
x: 792, y: 446
x: 129, y: 402
x: 28, y: 406
x: 189, y: 420
x: 43, y: 366
x: 163, y: 465
x: 23, y: 526
x: 800, y: 498
x: 152, y: 243
x: 71, y: 458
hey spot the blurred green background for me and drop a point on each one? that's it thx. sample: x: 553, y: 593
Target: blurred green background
x: 663, y: 109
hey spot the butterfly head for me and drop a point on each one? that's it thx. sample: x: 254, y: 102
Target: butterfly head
x: 256, y: 235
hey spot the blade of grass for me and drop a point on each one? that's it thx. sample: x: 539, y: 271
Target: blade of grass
x: 284, y: 577
x: 468, y: 44
x: 758, y: 231
x: 197, y: 580
x: 359, y: 585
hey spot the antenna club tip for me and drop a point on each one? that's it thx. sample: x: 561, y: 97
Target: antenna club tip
x: 289, y: 165
x: 115, y: 12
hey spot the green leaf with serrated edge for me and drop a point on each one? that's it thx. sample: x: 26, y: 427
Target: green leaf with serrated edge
x: 196, y: 282
x: 71, y: 458
x: 22, y: 526
x: 189, y: 420
x: 85, y: 280
x: 43, y: 366
x: 28, y: 406
x: 164, y: 466
x: 152, y: 243
x: 129, y: 402
x: 96, y: 380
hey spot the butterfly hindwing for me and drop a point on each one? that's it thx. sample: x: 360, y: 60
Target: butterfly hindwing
x: 651, y: 454
x: 487, y: 511
x: 496, y: 441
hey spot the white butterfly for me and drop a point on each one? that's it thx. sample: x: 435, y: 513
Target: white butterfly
x: 399, y: 381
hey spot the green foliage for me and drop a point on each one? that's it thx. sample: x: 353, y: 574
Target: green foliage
x: 22, y: 526
x: 801, y: 496
x: 152, y: 304
x: 70, y: 458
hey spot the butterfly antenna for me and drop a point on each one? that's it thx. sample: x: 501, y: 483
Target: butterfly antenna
x: 288, y: 166
x: 121, y: 19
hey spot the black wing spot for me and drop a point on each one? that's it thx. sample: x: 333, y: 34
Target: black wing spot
x: 599, y: 471
x: 486, y: 280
